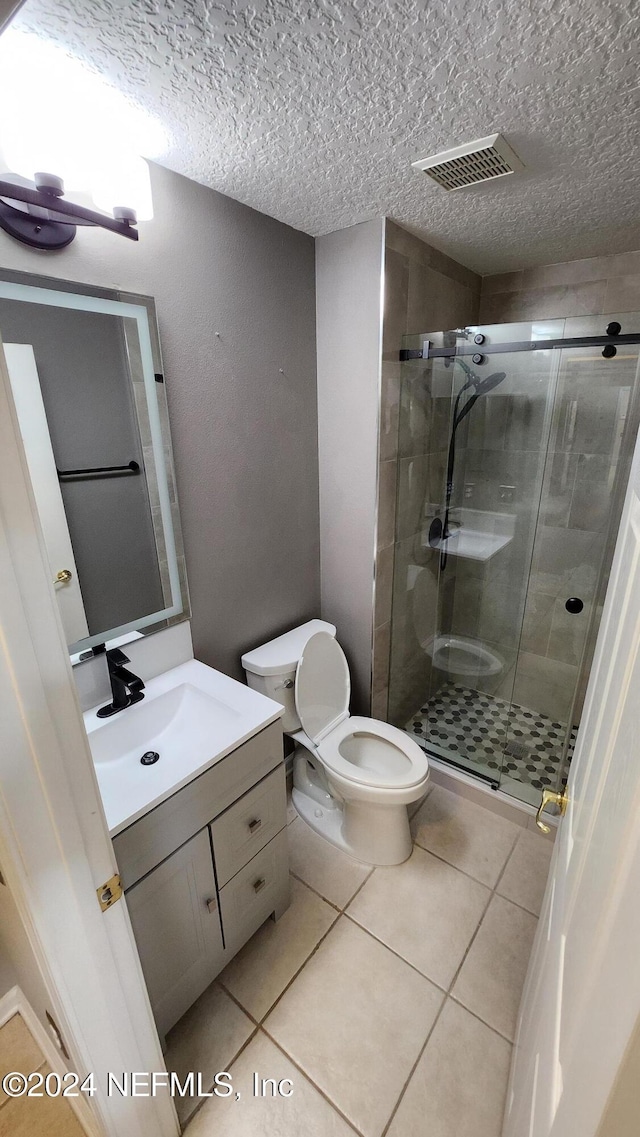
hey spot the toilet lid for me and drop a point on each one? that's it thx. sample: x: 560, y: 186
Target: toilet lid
x: 323, y: 686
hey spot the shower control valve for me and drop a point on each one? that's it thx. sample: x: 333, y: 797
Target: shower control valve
x: 477, y: 358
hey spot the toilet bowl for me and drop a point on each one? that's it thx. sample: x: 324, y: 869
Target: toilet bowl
x: 353, y: 777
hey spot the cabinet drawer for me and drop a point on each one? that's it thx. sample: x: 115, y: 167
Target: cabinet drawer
x: 248, y: 825
x: 260, y: 888
x: 159, y: 833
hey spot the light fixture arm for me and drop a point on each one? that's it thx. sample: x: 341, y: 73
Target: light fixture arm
x: 50, y: 221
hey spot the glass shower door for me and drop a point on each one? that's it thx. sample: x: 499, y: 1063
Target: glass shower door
x: 595, y: 420
x: 512, y: 472
x: 472, y: 445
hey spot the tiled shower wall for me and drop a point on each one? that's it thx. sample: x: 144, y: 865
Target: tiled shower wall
x: 574, y: 288
x: 424, y: 290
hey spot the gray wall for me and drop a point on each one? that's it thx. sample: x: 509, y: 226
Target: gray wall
x: 242, y: 403
x: 349, y: 298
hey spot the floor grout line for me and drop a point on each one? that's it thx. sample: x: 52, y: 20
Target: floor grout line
x: 326, y: 900
x: 475, y: 1015
x: 475, y: 879
x: 235, y: 1000
x: 301, y: 968
x: 414, y: 1067
x: 464, y: 872
x: 332, y: 903
x: 504, y: 867
x: 402, y: 959
x: 469, y: 945
x: 184, y: 1122
x: 308, y: 1077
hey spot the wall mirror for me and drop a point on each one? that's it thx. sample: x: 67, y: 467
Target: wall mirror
x: 88, y: 387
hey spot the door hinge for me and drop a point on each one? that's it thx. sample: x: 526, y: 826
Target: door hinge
x: 109, y: 892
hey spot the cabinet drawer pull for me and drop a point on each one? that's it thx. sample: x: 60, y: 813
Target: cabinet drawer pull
x: 212, y: 904
x: 255, y: 824
x: 258, y: 885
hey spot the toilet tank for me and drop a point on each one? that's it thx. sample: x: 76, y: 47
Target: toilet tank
x: 271, y: 668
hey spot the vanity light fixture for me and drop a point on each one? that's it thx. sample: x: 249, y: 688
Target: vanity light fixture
x: 37, y: 214
x: 91, y: 134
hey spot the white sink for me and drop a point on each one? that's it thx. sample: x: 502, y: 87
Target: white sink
x: 192, y: 716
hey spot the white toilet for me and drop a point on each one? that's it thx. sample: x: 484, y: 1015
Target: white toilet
x: 353, y: 777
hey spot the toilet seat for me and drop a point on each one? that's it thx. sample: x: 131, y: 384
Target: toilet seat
x: 363, y: 751
x: 383, y: 757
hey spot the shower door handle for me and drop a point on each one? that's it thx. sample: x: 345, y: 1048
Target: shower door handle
x: 550, y: 798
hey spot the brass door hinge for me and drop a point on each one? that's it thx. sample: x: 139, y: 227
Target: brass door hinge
x: 109, y: 892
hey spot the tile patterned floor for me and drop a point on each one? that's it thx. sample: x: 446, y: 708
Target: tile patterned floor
x: 498, y: 735
x: 388, y: 996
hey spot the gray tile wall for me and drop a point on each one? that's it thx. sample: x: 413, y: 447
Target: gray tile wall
x: 573, y: 288
x: 424, y: 290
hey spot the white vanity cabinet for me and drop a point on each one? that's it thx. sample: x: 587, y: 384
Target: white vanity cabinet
x: 204, y: 869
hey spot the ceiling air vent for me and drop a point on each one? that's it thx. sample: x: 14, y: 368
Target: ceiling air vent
x: 470, y: 163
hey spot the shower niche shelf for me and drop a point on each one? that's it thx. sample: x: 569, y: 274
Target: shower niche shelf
x: 477, y: 535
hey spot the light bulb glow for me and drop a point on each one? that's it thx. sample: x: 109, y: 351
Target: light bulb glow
x: 66, y: 119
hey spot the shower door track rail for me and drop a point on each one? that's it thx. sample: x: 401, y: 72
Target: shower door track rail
x: 429, y: 352
x: 431, y: 752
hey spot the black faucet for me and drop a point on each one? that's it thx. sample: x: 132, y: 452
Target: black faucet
x: 126, y: 687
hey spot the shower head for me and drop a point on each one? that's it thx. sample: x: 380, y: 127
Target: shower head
x: 481, y: 385
x: 490, y: 382
x: 481, y: 388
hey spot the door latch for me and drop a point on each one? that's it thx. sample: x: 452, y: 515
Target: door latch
x: 550, y: 798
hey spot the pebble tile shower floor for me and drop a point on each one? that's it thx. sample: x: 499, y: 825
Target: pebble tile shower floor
x: 500, y: 736
x: 388, y: 996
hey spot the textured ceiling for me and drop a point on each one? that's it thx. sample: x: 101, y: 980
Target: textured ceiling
x: 313, y: 111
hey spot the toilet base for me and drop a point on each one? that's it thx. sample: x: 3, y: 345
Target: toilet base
x: 371, y: 834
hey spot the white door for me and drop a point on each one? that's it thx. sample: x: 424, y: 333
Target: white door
x: 32, y: 417
x: 55, y: 851
x: 582, y: 995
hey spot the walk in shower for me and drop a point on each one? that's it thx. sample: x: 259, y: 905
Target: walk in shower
x: 515, y: 443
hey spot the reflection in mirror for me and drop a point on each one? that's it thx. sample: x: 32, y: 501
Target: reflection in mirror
x: 88, y: 389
